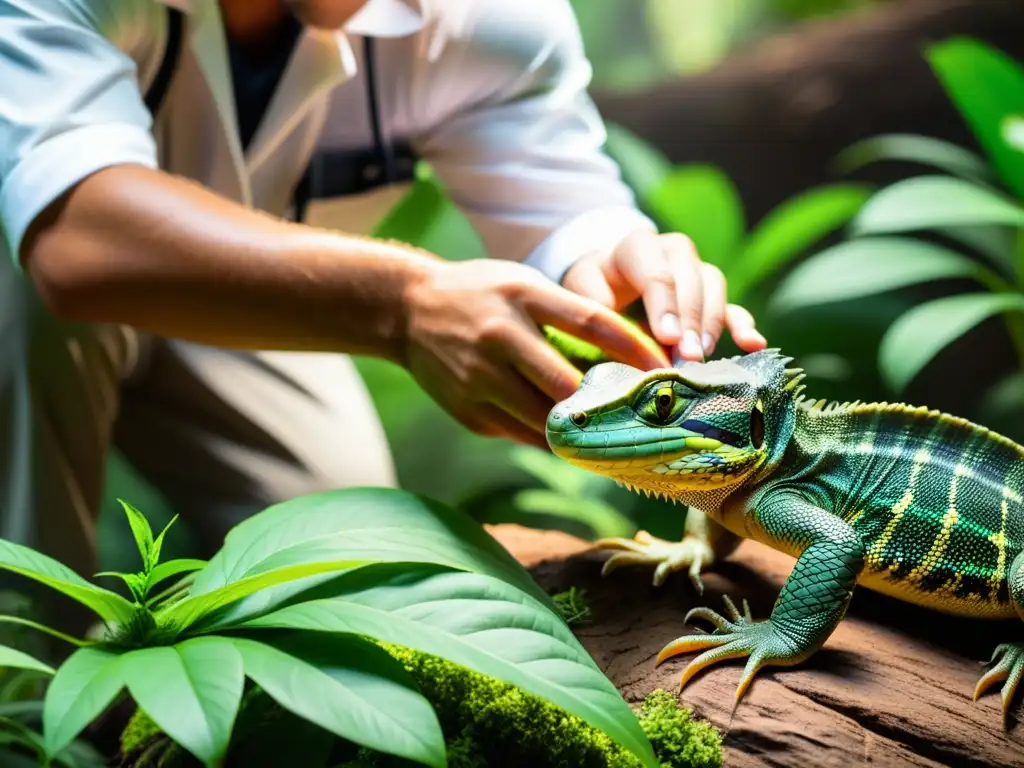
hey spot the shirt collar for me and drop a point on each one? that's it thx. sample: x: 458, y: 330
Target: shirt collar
x: 377, y: 18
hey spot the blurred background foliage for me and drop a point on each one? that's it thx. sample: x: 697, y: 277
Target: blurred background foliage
x: 835, y: 275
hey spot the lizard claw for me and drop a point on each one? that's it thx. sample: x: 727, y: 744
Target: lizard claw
x: 739, y: 637
x: 1010, y: 667
x: 691, y: 553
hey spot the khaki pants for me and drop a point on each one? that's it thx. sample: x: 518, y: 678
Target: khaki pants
x: 222, y: 434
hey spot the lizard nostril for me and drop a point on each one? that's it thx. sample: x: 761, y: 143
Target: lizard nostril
x: 579, y: 418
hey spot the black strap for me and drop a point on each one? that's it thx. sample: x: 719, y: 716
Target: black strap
x: 162, y: 82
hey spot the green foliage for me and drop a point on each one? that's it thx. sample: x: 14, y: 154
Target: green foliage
x: 677, y: 739
x: 292, y: 601
x: 572, y: 606
x: 976, y: 202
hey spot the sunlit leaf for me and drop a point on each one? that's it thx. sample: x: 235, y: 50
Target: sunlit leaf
x: 38, y: 567
x: 643, y: 165
x: 986, y: 86
x: 82, y: 689
x: 192, y: 691
x: 701, y: 202
x: 920, y: 334
x: 380, y: 516
x: 352, y: 689
x: 923, y: 150
x: 474, y: 620
x: 412, y: 218
x: 861, y: 267
x: 935, y: 202
x: 174, y: 568
x: 158, y: 544
x: 13, y: 658
x: 790, y: 229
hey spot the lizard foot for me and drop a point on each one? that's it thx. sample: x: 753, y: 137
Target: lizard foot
x: 668, y: 556
x: 1010, y: 668
x: 736, y: 638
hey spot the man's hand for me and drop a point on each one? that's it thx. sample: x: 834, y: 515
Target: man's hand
x: 473, y: 342
x: 684, y: 298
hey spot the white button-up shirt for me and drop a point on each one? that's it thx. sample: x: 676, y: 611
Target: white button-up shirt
x: 491, y: 93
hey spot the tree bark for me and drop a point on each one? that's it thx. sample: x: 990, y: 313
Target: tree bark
x: 775, y: 116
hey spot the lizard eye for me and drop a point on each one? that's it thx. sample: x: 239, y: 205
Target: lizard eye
x: 664, y: 399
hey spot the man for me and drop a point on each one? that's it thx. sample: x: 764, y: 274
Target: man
x: 157, y: 295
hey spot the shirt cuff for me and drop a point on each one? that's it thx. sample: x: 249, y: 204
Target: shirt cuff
x: 600, y: 230
x: 57, y: 164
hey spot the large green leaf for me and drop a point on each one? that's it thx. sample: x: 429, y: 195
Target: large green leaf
x: 381, y: 514
x: 996, y: 244
x: 920, y: 334
x: 474, y: 620
x: 15, y: 659
x: 923, y: 150
x: 412, y: 218
x: 790, y: 230
x: 38, y: 567
x: 701, y: 202
x: 857, y: 268
x: 935, y: 202
x: 191, y: 691
x: 81, y: 690
x: 987, y: 87
x: 643, y: 165
x: 351, y: 688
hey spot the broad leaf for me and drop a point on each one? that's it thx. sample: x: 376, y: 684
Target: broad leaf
x: 644, y: 167
x: 82, y: 689
x: 920, y: 334
x: 857, y: 268
x: 912, y: 148
x: 412, y: 218
x: 702, y: 203
x: 789, y: 230
x: 191, y: 690
x: 11, y: 657
x: 352, y: 689
x: 474, y: 620
x: 38, y: 567
x: 141, y: 531
x: 996, y: 244
x: 380, y: 514
x: 987, y: 87
x: 935, y: 202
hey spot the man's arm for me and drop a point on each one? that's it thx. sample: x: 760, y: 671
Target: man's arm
x: 107, y: 237
x: 523, y: 156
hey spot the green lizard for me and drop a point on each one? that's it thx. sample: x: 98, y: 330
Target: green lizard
x: 911, y: 502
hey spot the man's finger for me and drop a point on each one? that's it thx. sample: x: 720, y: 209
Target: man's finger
x: 714, y: 307
x: 596, y: 324
x: 741, y: 327
x: 686, y: 266
x: 542, y: 365
x: 520, y: 399
x: 643, y: 261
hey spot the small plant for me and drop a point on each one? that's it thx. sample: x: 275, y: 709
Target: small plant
x: 296, y: 602
x: 572, y: 606
x: 974, y: 205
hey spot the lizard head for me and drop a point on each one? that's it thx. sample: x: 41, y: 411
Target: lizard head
x: 684, y: 433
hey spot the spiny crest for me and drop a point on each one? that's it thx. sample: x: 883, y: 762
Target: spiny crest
x: 660, y: 495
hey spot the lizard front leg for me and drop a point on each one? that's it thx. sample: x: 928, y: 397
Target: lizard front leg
x: 704, y: 542
x: 1010, y: 666
x: 813, y: 600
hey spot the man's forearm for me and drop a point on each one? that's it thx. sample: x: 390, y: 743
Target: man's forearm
x: 138, y: 247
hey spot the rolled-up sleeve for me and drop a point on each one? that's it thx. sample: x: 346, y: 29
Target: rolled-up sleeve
x: 523, y: 156
x: 69, y: 106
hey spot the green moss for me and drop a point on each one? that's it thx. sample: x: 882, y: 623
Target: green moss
x: 488, y: 724
x: 572, y: 605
